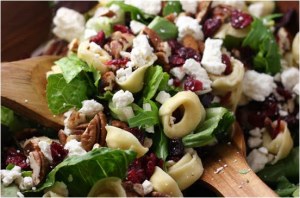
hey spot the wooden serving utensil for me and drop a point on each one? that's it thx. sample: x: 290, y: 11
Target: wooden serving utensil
x: 23, y: 89
x: 225, y: 169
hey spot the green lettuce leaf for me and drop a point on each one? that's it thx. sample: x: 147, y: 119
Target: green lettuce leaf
x: 285, y: 188
x: 145, y: 118
x: 62, y: 96
x: 172, y: 7
x: 80, y: 173
x: 164, y: 28
x: 261, y: 39
x: 216, y: 125
x: 160, y: 144
x: 7, y: 116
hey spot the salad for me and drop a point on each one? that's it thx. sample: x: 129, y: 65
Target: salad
x: 145, y: 85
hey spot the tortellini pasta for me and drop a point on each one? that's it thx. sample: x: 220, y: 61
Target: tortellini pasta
x: 232, y: 83
x: 193, y: 114
x: 261, y: 8
x: 135, y: 82
x: 108, y: 187
x: 94, y: 55
x: 119, y: 138
x: 59, y: 189
x: 295, y: 48
x: 281, y: 145
x: 162, y: 182
x: 187, y: 170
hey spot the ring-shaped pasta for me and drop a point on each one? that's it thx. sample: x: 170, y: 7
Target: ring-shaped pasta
x: 135, y: 82
x: 163, y: 182
x: 193, y: 114
x: 295, y: 48
x: 281, y: 145
x: 187, y: 170
x: 59, y: 189
x: 108, y: 187
x: 222, y: 84
x: 121, y: 139
x: 94, y: 55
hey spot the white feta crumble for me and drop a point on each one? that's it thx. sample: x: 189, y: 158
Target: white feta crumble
x: 141, y: 53
x: 26, y: 183
x: 189, y: 26
x: 256, y: 9
x: 290, y: 78
x: 19, y: 194
x: 254, y: 142
x: 123, y: 74
x: 122, y: 99
x: 296, y: 89
x: 88, y: 33
x: 152, y: 7
x: 194, y: 69
x: 69, y: 24
x: 136, y: 27
x: 283, y: 113
x: 74, y: 147
x: 257, y: 160
x: 212, y: 56
x: 147, y: 186
x: 178, y: 72
x: 189, y: 6
x: 45, y: 149
x: 256, y: 132
x: 162, y: 97
x: 263, y: 150
x: 257, y: 86
x: 9, y: 176
x: 147, y: 107
x: 90, y: 108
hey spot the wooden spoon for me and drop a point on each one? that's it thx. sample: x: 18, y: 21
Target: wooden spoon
x: 23, y: 89
x: 225, y: 169
x: 227, y: 173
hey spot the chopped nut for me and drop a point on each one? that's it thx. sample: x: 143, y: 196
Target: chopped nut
x: 108, y: 81
x: 119, y: 42
x: 191, y: 42
x: 72, y: 137
x: 153, y: 37
x: 171, y: 17
x: 222, y: 12
x: 73, y: 46
x: 203, y: 7
x: 138, y: 188
x: 75, y: 119
x: 39, y: 165
x: 159, y: 194
x: 120, y: 124
x: 130, y: 192
x: 62, y: 137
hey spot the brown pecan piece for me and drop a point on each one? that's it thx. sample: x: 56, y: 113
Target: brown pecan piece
x: 75, y: 119
x: 203, y: 8
x: 39, y: 165
x: 120, y: 124
x: 153, y: 37
x: 222, y: 12
x: 32, y: 144
x: 171, y: 17
x: 62, y: 137
x: 108, y: 81
x: 191, y: 42
x: 159, y: 194
x: 130, y: 192
x: 95, y: 132
x: 73, y: 46
x: 119, y: 42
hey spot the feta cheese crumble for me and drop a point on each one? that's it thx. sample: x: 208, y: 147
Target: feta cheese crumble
x: 9, y: 176
x: 194, y: 69
x: 74, y: 147
x: 290, y: 78
x: 90, y: 108
x: 257, y: 160
x: 122, y: 99
x: 189, y: 26
x: 257, y: 86
x: 69, y: 24
x: 256, y: 9
x: 123, y: 74
x: 178, y: 72
x: 212, y: 56
x: 189, y: 6
x: 136, y: 27
x: 147, y: 186
x: 150, y: 7
x: 142, y: 53
x: 162, y: 97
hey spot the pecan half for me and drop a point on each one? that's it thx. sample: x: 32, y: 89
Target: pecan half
x: 95, y: 132
x: 203, y: 8
x: 119, y: 42
x: 120, y: 124
x: 75, y: 119
x: 108, y: 81
x: 39, y: 165
x: 191, y: 42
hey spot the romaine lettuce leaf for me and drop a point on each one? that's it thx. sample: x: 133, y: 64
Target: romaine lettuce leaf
x: 172, y: 7
x: 216, y: 125
x: 160, y: 144
x: 164, y: 28
x: 80, y: 173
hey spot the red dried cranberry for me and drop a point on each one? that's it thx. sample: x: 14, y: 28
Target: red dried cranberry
x: 176, y: 82
x: 136, y: 175
x: 283, y: 92
x: 193, y: 84
x: 240, y: 20
x: 99, y: 38
x: 17, y: 158
x: 174, y: 45
x: 227, y: 62
x: 58, y: 152
x: 118, y: 62
x: 176, y: 60
x: 186, y: 53
x: 211, y: 26
x: 138, y: 134
x: 121, y: 28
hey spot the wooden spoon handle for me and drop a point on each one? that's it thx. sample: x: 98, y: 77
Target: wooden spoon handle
x: 227, y: 173
x: 23, y: 89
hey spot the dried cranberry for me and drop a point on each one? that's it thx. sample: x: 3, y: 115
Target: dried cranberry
x: 176, y: 82
x: 176, y: 147
x: 99, y: 38
x: 186, y: 53
x: 283, y: 92
x: 138, y: 134
x: 174, y: 45
x: 211, y: 26
x: 240, y: 20
x: 136, y: 175
x: 192, y: 84
x: 121, y: 28
x: 58, y: 152
x: 206, y: 99
x: 118, y: 62
x: 17, y: 158
x: 227, y: 62
x: 176, y: 60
